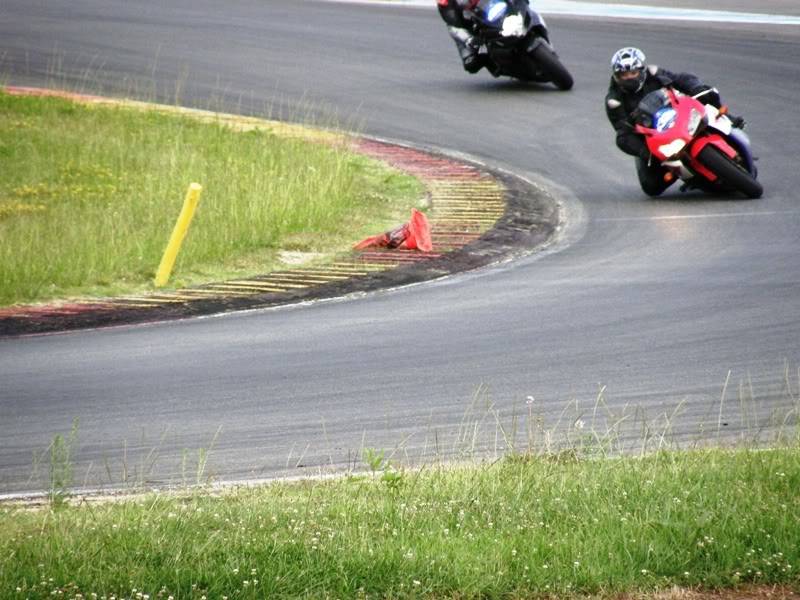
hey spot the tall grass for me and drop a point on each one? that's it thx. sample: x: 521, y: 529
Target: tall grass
x: 89, y: 195
x: 522, y: 526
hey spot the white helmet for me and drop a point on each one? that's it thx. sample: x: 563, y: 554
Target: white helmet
x: 626, y: 60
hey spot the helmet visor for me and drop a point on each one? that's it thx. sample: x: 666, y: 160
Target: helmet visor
x: 630, y: 81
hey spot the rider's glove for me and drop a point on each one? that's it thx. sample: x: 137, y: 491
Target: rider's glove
x: 737, y: 122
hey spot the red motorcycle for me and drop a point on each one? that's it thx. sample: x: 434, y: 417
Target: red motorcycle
x: 697, y: 143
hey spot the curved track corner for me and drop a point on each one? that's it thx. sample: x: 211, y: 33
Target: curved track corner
x: 479, y: 215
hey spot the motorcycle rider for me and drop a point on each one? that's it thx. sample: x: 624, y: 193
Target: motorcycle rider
x: 461, y: 29
x: 632, y: 79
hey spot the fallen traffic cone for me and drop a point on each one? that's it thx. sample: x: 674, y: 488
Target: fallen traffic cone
x: 414, y: 235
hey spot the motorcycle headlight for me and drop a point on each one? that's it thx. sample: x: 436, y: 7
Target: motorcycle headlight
x: 671, y: 149
x: 513, y: 25
x: 694, y: 121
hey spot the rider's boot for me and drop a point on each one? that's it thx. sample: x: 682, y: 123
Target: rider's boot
x: 473, y: 62
x: 468, y: 48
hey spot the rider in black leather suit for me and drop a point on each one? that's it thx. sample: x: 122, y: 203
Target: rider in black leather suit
x: 460, y: 27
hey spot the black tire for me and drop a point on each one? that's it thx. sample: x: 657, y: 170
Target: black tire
x: 731, y: 175
x: 548, y: 62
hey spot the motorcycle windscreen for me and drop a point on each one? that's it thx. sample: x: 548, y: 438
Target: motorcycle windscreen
x: 651, y: 105
x: 491, y: 11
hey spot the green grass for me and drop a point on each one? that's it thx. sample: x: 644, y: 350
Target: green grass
x: 89, y: 196
x: 569, y: 509
x: 524, y: 526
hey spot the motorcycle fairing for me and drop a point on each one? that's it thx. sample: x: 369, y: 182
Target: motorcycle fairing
x: 736, y: 139
x: 714, y: 140
x: 492, y: 14
x: 742, y: 141
x: 703, y: 141
x: 537, y: 20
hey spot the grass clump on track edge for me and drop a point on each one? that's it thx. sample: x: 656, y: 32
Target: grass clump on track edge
x: 89, y: 195
x: 524, y: 526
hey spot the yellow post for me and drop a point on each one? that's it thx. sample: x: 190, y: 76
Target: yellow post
x: 178, y: 233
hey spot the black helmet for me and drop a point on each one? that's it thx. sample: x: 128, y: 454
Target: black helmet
x: 632, y: 61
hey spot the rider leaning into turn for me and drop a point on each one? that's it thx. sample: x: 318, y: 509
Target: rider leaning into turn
x: 460, y: 27
x: 632, y: 79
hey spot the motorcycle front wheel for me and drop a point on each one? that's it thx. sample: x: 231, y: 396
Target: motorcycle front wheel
x: 731, y: 175
x: 547, y: 62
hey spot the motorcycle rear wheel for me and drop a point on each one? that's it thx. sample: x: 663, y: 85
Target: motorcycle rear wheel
x: 547, y: 61
x: 731, y: 175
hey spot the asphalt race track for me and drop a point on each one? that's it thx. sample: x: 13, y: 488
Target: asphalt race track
x: 681, y: 314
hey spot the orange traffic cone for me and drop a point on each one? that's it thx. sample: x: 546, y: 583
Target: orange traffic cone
x: 414, y: 235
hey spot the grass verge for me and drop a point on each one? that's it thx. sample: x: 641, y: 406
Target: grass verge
x: 523, y: 526
x: 89, y: 196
